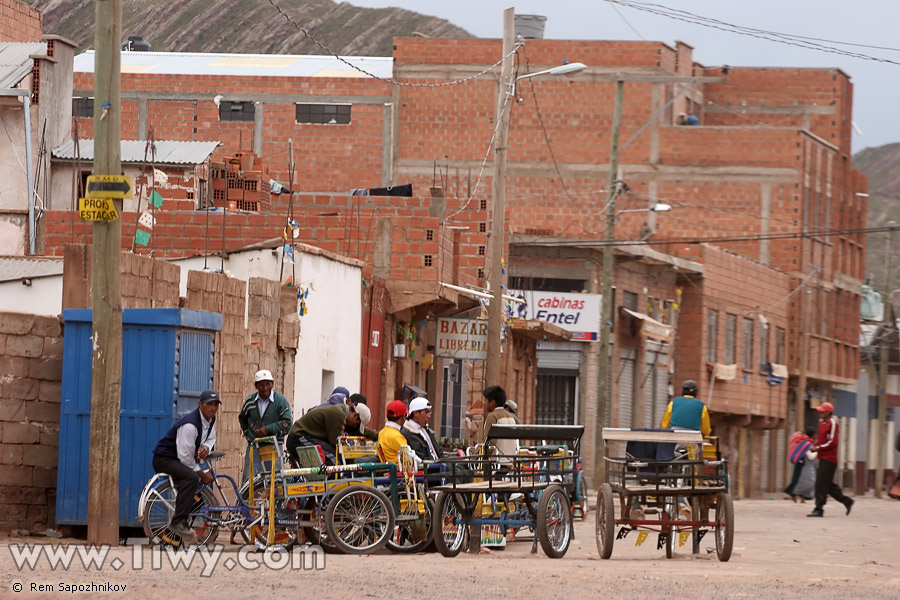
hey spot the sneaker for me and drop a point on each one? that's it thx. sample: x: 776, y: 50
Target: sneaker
x: 816, y: 513
x: 186, y: 534
x: 849, y: 504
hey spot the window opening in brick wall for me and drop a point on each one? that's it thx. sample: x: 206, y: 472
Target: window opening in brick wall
x: 747, y: 348
x: 779, y: 345
x: 429, y: 260
x: 764, y: 348
x: 429, y: 235
x: 630, y: 300
x: 324, y: 114
x: 712, y: 336
x: 482, y: 205
x: 482, y: 228
x: 83, y: 107
x: 480, y: 250
x: 730, y: 339
x: 236, y: 111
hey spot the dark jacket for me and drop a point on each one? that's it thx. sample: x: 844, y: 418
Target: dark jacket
x: 326, y: 423
x: 276, y: 420
x: 167, y: 447
x: 419, y: 445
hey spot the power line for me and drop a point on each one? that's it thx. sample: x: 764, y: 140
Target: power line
x: 771, y: 36
x: 391, y: 81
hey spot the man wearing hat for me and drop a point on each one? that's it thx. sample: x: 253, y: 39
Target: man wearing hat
x: 391, y: 438
x: 420, y: 437
x: 827, y: 447
x: 188, y: 441
x: 511, y: 408
x: 323, y: 426
x: 264, y: 413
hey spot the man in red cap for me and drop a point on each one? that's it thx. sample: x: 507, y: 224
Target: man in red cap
x: 827, y: 447
x: 391, y: 438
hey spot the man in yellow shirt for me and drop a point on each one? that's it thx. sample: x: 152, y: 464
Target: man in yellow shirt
x: 687, y: 411
x: 391, y: 438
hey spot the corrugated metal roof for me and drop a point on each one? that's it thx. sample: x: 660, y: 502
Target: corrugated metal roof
x: 237, y: 65
x: 22, y: 267
x: 14, y: 62
x: 168, y: 152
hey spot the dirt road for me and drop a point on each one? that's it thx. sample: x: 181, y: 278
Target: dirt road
x: 778, y: 553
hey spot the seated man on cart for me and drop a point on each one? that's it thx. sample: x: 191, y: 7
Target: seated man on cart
x: 322, y: 427
x: 687, y: 411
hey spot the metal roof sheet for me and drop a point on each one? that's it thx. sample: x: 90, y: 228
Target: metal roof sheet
x: 15, y: 63
x: 168, y: 152
x: 240, y: 65
x: 26, y: 267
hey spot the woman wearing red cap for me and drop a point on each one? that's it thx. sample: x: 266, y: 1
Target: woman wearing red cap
x: 827, y: 447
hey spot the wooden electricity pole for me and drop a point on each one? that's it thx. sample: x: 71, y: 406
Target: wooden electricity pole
x: 106, y: 381
x: 882, y: 453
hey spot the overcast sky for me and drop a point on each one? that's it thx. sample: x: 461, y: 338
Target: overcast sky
x: 871, y: 22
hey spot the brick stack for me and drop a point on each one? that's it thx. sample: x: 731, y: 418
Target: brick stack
x: 241, y: 183
x: 29, y: 419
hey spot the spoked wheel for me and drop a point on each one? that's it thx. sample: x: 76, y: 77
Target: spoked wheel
x: 450, y: 523
x: 582, y: 491
x: 158, y: 513
x: 359, y: 519
x: 554, y: 521
x: 258, y: 533
x: 605, y: 521
x: 407, y: 536
x: 316, y: 534
x: 724, y: 526
x: 672, y: 513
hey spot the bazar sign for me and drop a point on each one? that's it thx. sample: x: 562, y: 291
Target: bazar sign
x: 578, y: 314
x: 465, y: 339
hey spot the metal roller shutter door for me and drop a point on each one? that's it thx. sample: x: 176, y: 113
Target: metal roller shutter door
x: 625, y: 379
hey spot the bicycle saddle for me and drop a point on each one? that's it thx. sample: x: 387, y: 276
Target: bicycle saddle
x: 215, y: 454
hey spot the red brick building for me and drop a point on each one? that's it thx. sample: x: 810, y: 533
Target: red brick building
x: 768, y: 164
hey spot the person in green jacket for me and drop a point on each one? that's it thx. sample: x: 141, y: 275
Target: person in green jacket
x: 323, y: 426
x: 264, y: 413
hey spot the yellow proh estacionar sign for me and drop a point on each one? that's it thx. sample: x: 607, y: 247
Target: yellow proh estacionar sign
x: 97, y: 209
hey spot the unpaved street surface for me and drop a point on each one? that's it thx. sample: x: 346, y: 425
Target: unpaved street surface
x: 778, y: 553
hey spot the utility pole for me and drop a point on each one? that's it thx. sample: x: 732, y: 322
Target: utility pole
x: 606, y: 313
x: 800, y: 400
x: 887, y: 328
x: 106, y: 381
x: 504, y: 104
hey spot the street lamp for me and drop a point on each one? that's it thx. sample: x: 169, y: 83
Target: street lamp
x: 507, y: 91
x: 658, y: 207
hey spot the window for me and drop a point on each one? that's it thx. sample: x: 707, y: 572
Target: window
x: 630, y: 300
x: 747, y: 349
x: 764, y: 347
x: 779, y: 345
x: 327, y: 114
x: 730, y: 339
x: 236, y: 111
x: 712, y: 336
x: 83, y: 107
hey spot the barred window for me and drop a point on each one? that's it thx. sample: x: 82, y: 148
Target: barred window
x: 712, y: 336
x: 236, y: 111
x: 326, y: 114
x: 730, y: 339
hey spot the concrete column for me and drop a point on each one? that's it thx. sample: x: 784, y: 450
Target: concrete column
x: 861, y: 467
x: 765, y: 211
x: 587, y: 408
x: 258, y: 127
x: 142, y: 119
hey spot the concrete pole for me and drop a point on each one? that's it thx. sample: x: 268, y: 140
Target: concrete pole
x: 887, y: 327
x: 106, y: 382
x: 606, y: 313
x: 504, y: 104
x: 800, y: 406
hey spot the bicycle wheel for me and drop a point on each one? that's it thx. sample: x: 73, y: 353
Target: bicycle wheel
x: 581, y: 490
x: 724, y: 526
x: 258, y: 533
x: 605, y: 521
x: 403, y: 539
x: 317, y: 535
x: 450, y: 524
x: 359, y: 519
x: 160, y: 507
x: 554, y: 521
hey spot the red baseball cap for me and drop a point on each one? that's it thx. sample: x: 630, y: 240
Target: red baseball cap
x: 825, y: 407
x: 396, y: 408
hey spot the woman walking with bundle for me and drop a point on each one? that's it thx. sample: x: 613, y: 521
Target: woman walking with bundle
x: 803, y: 481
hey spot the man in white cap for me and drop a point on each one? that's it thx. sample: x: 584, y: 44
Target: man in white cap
x: 511, y: 408
x: 264, y: 413
x: 419, y: 436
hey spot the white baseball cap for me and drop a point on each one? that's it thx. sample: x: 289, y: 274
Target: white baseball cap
x: 419, y: 404
x: 264, y: 375
x: 365, y: 415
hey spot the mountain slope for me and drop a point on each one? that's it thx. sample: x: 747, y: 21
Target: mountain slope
x: 882, y: 165
x: 249, y: 26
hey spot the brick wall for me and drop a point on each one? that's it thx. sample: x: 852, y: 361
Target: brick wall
x: 30, y: 385
x: 19, y: 22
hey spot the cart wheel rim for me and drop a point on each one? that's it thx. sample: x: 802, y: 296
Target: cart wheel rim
x: 360, y: 520
x: 452, y: 529
x: 558, y: 527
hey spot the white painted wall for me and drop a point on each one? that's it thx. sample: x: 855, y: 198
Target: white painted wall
x: 330, y: 331
x: 42, y: 297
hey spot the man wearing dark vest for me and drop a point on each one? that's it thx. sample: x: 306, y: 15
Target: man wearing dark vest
x: 177, y: 453
x: 687, y: 411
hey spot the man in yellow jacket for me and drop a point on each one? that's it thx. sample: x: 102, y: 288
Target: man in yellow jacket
x: 391, y: 437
